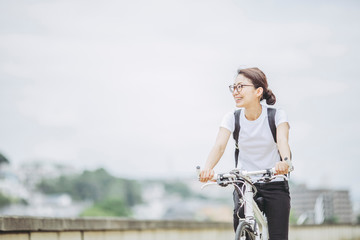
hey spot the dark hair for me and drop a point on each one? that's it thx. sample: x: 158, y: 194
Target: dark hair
x: 258, y: 78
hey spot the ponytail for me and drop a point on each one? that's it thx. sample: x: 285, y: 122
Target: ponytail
x: 269, y: 96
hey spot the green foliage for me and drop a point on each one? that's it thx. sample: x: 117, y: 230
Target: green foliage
x: 3, y: 159
x: 98, y: 186
x: 4, y: 200
x: 109, y: 207
x: 178, y: 188
x: 331, y: 220
x: 292, y: 219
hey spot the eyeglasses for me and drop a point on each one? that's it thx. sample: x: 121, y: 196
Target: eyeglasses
x: 238, y: 87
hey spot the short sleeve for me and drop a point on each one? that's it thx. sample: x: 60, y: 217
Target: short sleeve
x: 280, y: 117
x: 228, y: 121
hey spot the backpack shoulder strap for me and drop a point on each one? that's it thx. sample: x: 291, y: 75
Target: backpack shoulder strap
x: 271, y: 118
x: 236, y: 135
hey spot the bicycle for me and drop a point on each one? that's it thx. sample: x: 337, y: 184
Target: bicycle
x: 254, y: 226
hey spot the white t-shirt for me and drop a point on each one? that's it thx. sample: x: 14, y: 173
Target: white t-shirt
x: 257, y: 149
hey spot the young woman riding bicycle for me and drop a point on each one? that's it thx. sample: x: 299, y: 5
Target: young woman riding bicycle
x: 257, y: 148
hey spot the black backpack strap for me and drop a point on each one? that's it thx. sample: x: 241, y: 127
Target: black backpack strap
x: 236, y: 135
x: 271, y: 118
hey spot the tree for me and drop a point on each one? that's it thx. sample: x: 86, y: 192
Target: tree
x: 178, y: 188
x: 331, y: 220
x: 111, y: 196
x: 114, y: 207
x: 4, y: 200
x: 3, y: 160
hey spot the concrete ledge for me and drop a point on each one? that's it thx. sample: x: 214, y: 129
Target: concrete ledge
x: 36, y: 228
x: 32, y: 224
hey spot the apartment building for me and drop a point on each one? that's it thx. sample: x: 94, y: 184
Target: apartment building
x: 317, y: 206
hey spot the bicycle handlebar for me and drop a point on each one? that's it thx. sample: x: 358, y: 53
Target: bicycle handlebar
x: 243, y: 173
x: 246, y: 174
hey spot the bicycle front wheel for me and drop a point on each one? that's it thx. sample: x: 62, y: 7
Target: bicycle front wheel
x: 244, y: 232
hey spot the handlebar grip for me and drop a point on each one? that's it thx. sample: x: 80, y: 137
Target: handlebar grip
x: 198, y: 170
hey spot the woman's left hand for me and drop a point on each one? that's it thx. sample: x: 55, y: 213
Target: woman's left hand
x: 282, y: 167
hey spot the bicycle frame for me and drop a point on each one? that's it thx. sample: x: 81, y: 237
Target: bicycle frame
x: 253, y: 215
x: 251, y: 210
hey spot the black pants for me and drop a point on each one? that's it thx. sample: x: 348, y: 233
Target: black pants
x: 276, y: 206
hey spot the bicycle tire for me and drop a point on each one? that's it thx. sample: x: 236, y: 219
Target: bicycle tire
x: 244, y: 232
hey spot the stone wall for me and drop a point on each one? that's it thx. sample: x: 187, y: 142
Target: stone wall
x: 33, y: 228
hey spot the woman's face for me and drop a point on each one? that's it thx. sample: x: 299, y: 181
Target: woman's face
x: 247, y: 94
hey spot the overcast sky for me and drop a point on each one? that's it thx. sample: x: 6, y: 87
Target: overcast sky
x: 140, y: 87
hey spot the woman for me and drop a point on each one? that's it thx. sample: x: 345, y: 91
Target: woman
x: 258, y: 150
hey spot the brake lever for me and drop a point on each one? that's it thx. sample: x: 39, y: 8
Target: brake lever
x: 208, y: 184
x: 268, y: 179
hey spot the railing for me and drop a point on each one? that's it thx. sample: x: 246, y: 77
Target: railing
x: 34, y: 228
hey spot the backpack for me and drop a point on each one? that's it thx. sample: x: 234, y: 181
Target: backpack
x: 271, y: 119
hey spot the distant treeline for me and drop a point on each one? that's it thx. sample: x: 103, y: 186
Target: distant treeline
x: 111, y: 196
x: 6, y: 200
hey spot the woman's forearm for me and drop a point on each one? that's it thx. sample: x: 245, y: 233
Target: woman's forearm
x: 283, y: 140
x: 284, y: 149
x: 214, y: 156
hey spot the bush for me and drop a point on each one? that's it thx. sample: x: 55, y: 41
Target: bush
x: 4, y: 200
x: 108, y: 207
x: 96, y: 186
x: 112, y: 196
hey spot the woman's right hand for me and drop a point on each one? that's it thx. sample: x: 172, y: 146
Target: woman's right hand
x: 206, y: 175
